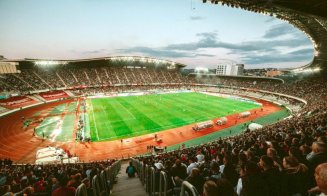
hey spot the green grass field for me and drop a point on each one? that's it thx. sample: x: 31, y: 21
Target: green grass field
x: 121, y: 117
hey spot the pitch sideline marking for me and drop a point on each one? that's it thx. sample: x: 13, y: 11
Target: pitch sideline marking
x: 94, y: 121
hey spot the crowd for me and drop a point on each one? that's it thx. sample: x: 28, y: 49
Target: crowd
x: 109, y: 90
x: 279, y: 159
x: 311, y: 89
x: 57, y: 180
x: 67, y: 76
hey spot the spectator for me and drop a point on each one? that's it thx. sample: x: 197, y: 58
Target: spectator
x: 131, y: 170
x: 210, y: 188
x: 64, y: 190
x: 295, y: 176
x: 252, y: 183
x: 196, y: 180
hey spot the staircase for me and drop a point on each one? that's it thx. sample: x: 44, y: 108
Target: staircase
x: 127, y: 186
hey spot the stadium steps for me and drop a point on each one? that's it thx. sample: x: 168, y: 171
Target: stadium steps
x: 127, y: 186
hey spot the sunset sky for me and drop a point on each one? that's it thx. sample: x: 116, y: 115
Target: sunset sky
x: 186, y: 31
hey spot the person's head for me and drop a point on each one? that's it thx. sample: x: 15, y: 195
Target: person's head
x: 77, y: 177
x: 210, y: 188
x: 87, y: 183
x: 294, y: 152
x: 249, y: 154
x: 318, y: 147
x: 192, y: 160
x: 214, y: 166
x: 295, y: 141
x: 159, y: 166
x: 63, y: 179
x: 28, y: 191
x: 305, y: 149
x: 130, y: 163
x: 178, y: 162
x: 242, y: 159
x: 227, y: 159
x: 271, y: 152
x: 266, y: 162
x: 195, y: 172
x: 54, y: 180
x: 251, y: 168
x: 321, y: 177
x: 290, y: 161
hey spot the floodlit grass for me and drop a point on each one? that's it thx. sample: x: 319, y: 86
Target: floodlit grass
x: 121, y: 117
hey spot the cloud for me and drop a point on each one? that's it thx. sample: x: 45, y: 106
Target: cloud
x: 209, y: 40
x: 95, y: 51
x: 302, y: 51
x: 196, y: 18
x: 156, y: 52
x: 295, y: 56
x: 279, y: 30
x: 250, y: 52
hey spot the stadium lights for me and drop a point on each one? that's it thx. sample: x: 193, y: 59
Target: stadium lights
x: 50, y: 63
x: 201, y: 69
x: 309, y: 70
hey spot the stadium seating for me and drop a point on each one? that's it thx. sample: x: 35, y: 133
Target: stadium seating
x: 33, y: 79
x: 20, y: 177
x: 293, y: 138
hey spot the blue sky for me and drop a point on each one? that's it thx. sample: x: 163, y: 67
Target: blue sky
x: 186, y: 31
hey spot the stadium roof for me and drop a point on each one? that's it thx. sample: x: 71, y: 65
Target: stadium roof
x: 310, y: 16
x: 111, y: 58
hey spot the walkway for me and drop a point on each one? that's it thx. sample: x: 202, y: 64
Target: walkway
x: 127, y: 186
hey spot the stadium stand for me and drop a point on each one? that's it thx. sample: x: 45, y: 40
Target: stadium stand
x: 94, y: 178
x: 287, y: 151
x: 33, y: 79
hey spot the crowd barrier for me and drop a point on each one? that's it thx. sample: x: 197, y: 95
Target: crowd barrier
x: 155, y: 186
x: 101, y: 183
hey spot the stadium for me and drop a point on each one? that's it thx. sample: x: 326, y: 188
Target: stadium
x: 184, y: 133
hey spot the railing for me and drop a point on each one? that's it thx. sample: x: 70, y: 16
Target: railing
x: 163, y: 184
x: 102, y: 183
x: 147, y: 176
x: 188, y: 188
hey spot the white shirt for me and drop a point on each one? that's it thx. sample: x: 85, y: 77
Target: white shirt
x: 190, y: 167
x: 239, y: 186
x: 200, y: 157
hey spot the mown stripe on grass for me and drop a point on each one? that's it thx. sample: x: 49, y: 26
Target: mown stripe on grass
x: 149, y: 125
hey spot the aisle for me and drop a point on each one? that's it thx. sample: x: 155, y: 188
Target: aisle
x: 127, y: 186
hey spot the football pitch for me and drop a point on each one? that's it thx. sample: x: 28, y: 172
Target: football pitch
x: 122, y: 117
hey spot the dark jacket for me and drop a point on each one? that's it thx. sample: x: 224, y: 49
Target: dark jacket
x: 254, y: 185
x: 296, y: 181
x: 273, y: 180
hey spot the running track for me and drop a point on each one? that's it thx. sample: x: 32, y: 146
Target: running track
x: 20, y: 145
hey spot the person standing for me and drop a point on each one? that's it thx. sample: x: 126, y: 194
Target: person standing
x: 131, y: 170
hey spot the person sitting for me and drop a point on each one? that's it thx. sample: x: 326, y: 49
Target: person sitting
x: 63, y: 189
